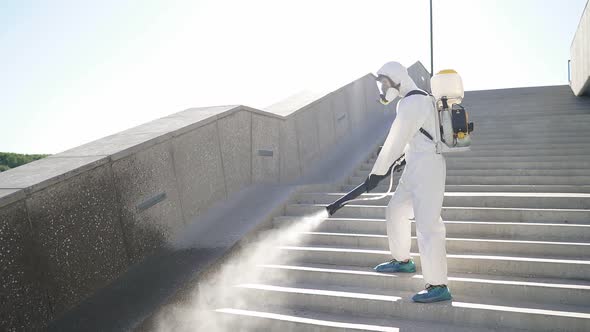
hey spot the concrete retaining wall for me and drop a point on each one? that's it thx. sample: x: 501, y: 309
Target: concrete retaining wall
x: 580, y: 56
x: 73, y: 222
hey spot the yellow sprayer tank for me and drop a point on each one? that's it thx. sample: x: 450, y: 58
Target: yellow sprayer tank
x: 447, y: 83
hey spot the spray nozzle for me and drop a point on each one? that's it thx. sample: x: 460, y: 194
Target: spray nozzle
x: 332, y: 208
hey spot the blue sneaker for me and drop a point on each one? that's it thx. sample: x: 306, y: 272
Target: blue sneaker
x: 396, y: 266
x: 433, y: 293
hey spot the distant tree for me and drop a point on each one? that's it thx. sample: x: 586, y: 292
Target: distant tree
x: 10, y: 160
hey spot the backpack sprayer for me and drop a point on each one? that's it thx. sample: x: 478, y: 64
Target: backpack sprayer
x: 362, y: 188
x: 452, y: 118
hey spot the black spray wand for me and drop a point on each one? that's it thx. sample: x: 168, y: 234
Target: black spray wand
x: 362, y: 188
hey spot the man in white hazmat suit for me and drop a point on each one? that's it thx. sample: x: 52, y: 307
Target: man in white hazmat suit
x: 419, y: 194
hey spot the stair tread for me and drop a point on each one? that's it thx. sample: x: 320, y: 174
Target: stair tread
x: 348, y: 322
x: 404, y: 298
x: 464, y: 256
x: 471, y: 239
x: 469, y: 194
x: 453, y: 276
x: 311, y: 318
x: 539, y: 223
x: 455, y: 207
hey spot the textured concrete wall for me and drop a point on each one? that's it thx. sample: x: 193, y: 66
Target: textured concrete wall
x: 290, y: 165
x: 77, y: 228
x: 235, y: 141
x: 139, y: 178
x: 199, y: 169
x: 580, y: 56
x: 265, y: 152
x: 24, y: 304
x: 75, y: 221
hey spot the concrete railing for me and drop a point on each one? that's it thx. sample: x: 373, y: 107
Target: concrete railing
x: 75, y: 221
x: 580, y: 56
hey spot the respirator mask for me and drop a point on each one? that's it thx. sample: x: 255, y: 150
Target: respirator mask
x: 389, y: 91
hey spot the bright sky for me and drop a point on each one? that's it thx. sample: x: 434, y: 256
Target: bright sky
x: 75, y: 71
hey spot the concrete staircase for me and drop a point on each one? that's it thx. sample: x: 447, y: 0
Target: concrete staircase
x: 517, y: 214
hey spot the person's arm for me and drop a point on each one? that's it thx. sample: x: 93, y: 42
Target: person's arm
x: 411, y: 116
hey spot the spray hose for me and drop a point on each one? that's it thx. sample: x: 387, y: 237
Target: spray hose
x: 361, y: 189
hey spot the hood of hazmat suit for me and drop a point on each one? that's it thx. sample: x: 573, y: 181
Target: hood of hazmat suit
x: 413, y: 113
x: 398, y: 74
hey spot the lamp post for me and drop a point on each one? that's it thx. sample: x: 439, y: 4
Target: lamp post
x: 431, y: 48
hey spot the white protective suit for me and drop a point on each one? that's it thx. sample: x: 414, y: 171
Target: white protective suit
x: 420, y: 191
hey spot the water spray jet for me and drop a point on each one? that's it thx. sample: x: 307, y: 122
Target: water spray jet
x: 211, y: 297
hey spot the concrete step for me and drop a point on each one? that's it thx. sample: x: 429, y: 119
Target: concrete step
x: 529, y: 110
x: 541, y: 107
x: 464, y: 161
x: 520, y: 119
x: 541, y: 120
x: 523, y: 141
x: 548, y: 126
x: 516, y: 131
x: 282, y: 318
x: 499, y: 163
x: 546, y: 96
x: 537, y: 139
x: 530, y: 137
x: 520, y: 172
x: 521, y: 248
x: 550, y: 113
x: 550, y: 117
x: 547, y: 111
x: 465, y: 158
x: 489, y: 125
x: 479, y: 146
x: 267, y: 319
x: 453, y: 164
x: 574, y: 132
x: 504, y: 172
x: 507, y: 200
x: 517, y: 122
x: 395, y: 304
x: 540, y: 131
x: 499, y: 152
x: 462, y: 229
x: 487, y: 188
x: 579, y: 216
x: 504, y: 179
x: 483, y: 114
x: 528, y: 152
x: 501, y: 265
x: 508, y: 289
x: 548, y: 120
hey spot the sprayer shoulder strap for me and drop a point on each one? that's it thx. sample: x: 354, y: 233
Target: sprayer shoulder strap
x: 420, y: 92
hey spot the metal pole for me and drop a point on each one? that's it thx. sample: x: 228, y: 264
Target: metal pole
x: 431, y: 48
